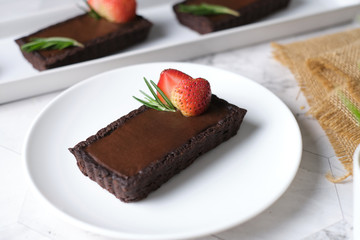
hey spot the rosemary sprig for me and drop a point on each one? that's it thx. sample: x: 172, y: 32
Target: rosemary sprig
x: 50, y: 43
x: 155, y: 102
x: 92, y: 13
x: 207, y: 9
x: 350, y: 106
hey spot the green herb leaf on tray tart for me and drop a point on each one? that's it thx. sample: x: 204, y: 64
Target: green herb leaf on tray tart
x: 92, y: 12
x: 155, y: 102
x: 206, y: 9
x: 50, y: 43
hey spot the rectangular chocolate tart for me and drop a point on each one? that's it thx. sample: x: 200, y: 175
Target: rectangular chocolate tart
x: 137, y: 153
x: 249, y: 10
x: 99, y: 37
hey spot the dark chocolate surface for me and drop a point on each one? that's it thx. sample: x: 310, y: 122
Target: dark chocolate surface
x: 149, y: 137
x: 83, y: 29
x: 99, y: 37
x: 249, y: 10
x: 233, y: 4
x: 220, y: 123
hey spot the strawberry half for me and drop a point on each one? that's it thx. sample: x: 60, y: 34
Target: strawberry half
x: 169, y: 79
x: 191, y: 96
x: 118, y: 11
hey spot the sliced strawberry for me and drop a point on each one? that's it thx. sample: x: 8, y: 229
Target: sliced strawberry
x: 169, y: 78
x: 192, y: 97
x: 118, y: 11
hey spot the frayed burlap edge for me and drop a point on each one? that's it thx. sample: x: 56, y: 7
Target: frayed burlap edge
x: 341, y: 129
x: 344, y: 146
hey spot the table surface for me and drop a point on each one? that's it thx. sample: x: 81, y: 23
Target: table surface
x: 312, y: 207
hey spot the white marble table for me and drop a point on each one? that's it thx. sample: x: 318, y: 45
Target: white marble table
x: 312, y: 208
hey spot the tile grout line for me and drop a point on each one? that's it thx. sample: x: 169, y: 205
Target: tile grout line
x: 9, y: 149
x: 317, y: 154
x: 33, y: 230
x: 324, y: 229
x: 22, y: 207
x: 214, y: 236
x: 25, y: 225
x: 336, y: 190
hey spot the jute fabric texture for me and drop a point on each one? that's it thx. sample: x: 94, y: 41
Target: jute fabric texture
x: 327, y: 69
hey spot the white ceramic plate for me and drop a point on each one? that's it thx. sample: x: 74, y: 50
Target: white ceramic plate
x: 223, y: 188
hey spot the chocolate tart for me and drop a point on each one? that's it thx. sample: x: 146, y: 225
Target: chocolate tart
x: 139, y: 152
x: 250, y: 11
x: 100, y: 38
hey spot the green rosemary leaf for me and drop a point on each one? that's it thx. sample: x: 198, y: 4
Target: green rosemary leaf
x: 146, y: 96
x: 151, y: 100
x: 146, y: 103
x: 207, y: 9
x: 92, y: 13
x: 163, y: 95
x: 150, y: 88
x: 155, y: 102
x: 160, y: 103
x: 32, y: 46
x: 50, y: 43
x: 350, y: 106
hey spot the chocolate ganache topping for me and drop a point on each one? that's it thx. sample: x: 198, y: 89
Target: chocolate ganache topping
x: 83, y: 29
x: 150, y: 136
x: 233, y: 4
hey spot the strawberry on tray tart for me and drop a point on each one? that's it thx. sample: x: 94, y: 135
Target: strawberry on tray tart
x: 180, y: 120
x: 109, y: 26
x: 205, y: 16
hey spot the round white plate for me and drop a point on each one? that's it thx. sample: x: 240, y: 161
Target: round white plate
x: 225, y: 187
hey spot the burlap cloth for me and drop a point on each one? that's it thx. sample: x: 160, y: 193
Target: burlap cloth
x: 327, y: 69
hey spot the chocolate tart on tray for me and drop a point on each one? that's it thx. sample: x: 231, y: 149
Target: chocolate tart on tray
x: 205, y: 16
x: 88, y: 36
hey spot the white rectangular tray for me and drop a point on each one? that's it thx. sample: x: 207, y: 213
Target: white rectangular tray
x: 168, y: 41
